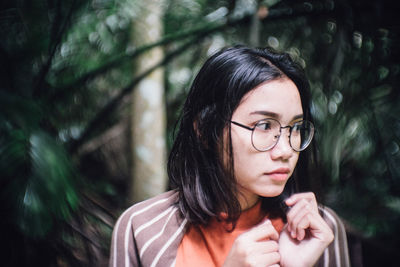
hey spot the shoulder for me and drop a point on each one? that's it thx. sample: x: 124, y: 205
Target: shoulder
x: 337, y: 252
x: 149, y: 231
x: 152, y: 206
x: 142, y: 212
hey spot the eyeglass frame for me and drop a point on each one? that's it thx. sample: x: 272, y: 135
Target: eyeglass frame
x: 280, y: 133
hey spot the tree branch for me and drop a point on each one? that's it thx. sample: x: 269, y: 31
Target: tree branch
x: 199, y: 33
x: 205, y: 29
x: 200, y: 30
x: 57, y: 40
x: 113, y: 103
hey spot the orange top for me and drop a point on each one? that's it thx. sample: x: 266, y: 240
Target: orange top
x: 210, y: 245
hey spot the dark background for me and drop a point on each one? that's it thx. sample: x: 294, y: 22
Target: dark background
x: 67, y: 66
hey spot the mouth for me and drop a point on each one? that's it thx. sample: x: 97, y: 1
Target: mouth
x: 279, y: 175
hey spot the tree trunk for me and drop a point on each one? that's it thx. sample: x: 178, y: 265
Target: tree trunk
x: 255, y: 27
x: 148, y: 109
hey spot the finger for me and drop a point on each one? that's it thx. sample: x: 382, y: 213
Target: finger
x: 317, y: 223
x: 302, y: 225
x: 298, y: 208
x: 263, y: 247
x: 269, y: 259
x: 264, y: 230
x: 295, y: 219
x: 317, y: 227
x: 309, y: 196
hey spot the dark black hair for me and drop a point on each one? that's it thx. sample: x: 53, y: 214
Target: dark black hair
x: 195, y: 167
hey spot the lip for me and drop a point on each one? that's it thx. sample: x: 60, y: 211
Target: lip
x: 281, y: 174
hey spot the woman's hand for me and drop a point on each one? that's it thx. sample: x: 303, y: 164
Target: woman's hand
x: 306, y: 235
x: 257, y: 247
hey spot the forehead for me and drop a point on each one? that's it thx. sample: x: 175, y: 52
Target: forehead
x: 279, y: 96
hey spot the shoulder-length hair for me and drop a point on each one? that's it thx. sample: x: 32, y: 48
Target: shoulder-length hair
x: 206, y: 187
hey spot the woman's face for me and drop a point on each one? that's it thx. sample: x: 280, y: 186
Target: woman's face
x: 265, y: 173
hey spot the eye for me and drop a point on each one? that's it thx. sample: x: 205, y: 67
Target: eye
x: 297, y: 127
x: 264, y: 125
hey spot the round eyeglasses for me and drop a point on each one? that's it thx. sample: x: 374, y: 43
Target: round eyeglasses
x: 266, y: 133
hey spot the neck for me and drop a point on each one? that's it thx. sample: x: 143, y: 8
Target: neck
x: 247, y: 202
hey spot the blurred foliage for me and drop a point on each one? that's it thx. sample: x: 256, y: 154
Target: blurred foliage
x: 66, y: 69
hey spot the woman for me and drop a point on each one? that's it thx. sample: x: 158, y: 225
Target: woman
x: 233, y: 169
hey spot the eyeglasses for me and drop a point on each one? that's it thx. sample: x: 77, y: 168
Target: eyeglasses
x: 265, y: 134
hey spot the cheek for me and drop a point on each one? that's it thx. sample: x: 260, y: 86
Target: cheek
x: 294, y: 161
x: 247, y: 160
x: 241, y: 145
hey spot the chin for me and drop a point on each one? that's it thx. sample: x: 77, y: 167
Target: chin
x: 272, y: 192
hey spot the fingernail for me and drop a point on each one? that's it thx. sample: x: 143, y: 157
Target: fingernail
x: 293, y: 234
x: 288, y: 200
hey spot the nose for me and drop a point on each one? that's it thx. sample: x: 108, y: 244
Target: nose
x: 282, y: 149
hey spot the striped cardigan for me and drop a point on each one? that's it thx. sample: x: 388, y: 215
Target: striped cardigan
x: 148, y: 234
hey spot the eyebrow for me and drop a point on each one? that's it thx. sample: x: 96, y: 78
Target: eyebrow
x: 274, y: 115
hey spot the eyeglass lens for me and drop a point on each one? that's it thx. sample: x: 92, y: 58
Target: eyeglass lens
x: 267, y: 133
